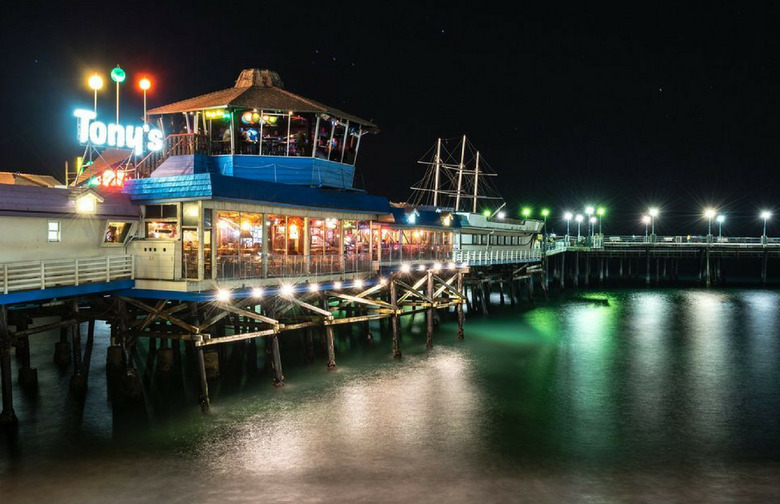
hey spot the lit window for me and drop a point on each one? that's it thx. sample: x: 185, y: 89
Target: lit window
x: 55, y: 232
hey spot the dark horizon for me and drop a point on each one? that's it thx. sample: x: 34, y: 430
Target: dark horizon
x: 626, y: 107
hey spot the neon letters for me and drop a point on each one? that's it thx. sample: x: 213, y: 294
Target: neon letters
x: 115, y: 135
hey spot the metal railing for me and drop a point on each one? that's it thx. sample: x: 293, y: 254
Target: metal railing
x: 278, y: 265
x: 31, y: 275
x: 488, y: 257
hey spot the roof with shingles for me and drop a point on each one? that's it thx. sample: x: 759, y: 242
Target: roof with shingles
x: 256, y: 89
x: 210, y: 186
x: 28, y: 179
x: 34, y: 201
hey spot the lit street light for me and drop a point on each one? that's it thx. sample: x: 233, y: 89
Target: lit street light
x: 95, y: 82
x: 720, y: 220
x: 568, y: 216
x: 709, y: 213
x: 646, y: 219
x: 578, y: 218
x: 145, y: 84
x: 765, y: 215
x: 653, y: 213
x: 600, y: 212
x: 118, y: 75
x: 589, y: 210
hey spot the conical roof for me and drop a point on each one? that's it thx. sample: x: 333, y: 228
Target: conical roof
x: 256, y: 89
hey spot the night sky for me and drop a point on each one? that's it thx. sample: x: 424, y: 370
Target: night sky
x: 627, y: 105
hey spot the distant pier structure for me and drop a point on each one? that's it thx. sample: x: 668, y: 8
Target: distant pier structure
x: 243, y: 227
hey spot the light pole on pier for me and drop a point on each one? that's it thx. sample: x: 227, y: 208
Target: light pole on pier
x: 765, y: 215
x: 653, y: 213
x: 578, y: 218
x: 589, y: 210
x: 568, y: 216
x: 600, y: 212
x: 593, y: 220
x: 646, y: 219
x: 709, y: 214
x: 720, y: 218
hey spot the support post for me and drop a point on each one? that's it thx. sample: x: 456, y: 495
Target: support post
x: 459, y: 308
x: 203, y: 398
x: 28, y: 377
x: 329, y: 338
x: 7, y: 416
x: 395, y: 319
x: 431, y: 309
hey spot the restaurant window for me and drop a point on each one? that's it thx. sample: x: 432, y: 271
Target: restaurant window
x: 322, y: 136
x: 161, y: 211
x: 324, y: 236
x: 54, y: 231
x: 189, y: 214
x: 116, y: 232
x: 300, y: 134
x: 161, y: 230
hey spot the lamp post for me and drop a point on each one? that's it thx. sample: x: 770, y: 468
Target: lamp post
x: 646, y: 219
x: 578, y: 218
x: 118, y: 75
x: 765, y: 215
x: 568, y: 216
x: 95, y: 82
x: 709, y: 214
x: 600, y: 212
x: 589, y: 210
x: 720, y: 218
x: 145, y: 84
x: 653, y: 213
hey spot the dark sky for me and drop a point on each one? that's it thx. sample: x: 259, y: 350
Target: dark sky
x: 627, y: 105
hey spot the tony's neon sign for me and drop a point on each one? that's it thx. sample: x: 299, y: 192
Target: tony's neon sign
x: 115, y: 135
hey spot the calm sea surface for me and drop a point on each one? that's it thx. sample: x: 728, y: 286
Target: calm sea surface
x: 598, y: 396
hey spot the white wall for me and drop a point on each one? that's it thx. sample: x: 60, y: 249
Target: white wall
x: 26, y: 239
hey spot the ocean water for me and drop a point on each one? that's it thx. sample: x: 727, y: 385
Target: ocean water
x: 646, y: 395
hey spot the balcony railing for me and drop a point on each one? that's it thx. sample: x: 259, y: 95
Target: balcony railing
x: 280, y: 266
x: 488, y: 257
x: 31, y: 275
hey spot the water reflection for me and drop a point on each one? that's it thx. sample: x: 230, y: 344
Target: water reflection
x: 625, y: 396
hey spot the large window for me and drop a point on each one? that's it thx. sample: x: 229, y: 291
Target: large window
x: 325, y: 235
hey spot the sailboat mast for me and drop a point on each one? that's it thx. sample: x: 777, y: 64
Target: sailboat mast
x: 460, y: 173
x: 476, y: 183
x: 436, y: 179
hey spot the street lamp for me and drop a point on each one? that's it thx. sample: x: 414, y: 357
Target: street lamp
x: 720, y: 220
x: 95, y: 82
x: 526, y: 212
x: 646, y: 219
x: 568, y: 216
x: 600, y: 212
x: 765, y: 215
x: 145, y: 84
x: 709, y: 213
x: 589, y: 210
x: 578, y: 218
x: 653, y: 213
x: 118, y: 75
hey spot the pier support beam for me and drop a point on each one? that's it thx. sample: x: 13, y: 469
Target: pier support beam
x: 200, y: 362
x: 7, y: 416
x: 431, y: 309
x: 28, y: 377
x: 329, y: 338
x: 394, y: 322
x: 459, y: 308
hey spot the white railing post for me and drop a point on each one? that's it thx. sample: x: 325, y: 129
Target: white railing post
x: 43, y: 276
x: 108, y: 268
x: 5, y: 279
x: 77, y: 271
x: 132, y: 266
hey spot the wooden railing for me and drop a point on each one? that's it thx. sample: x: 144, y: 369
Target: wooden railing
x: 31, y: 275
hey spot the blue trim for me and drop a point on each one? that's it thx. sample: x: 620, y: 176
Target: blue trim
x: 209, y: 186
x: 61, y: 292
